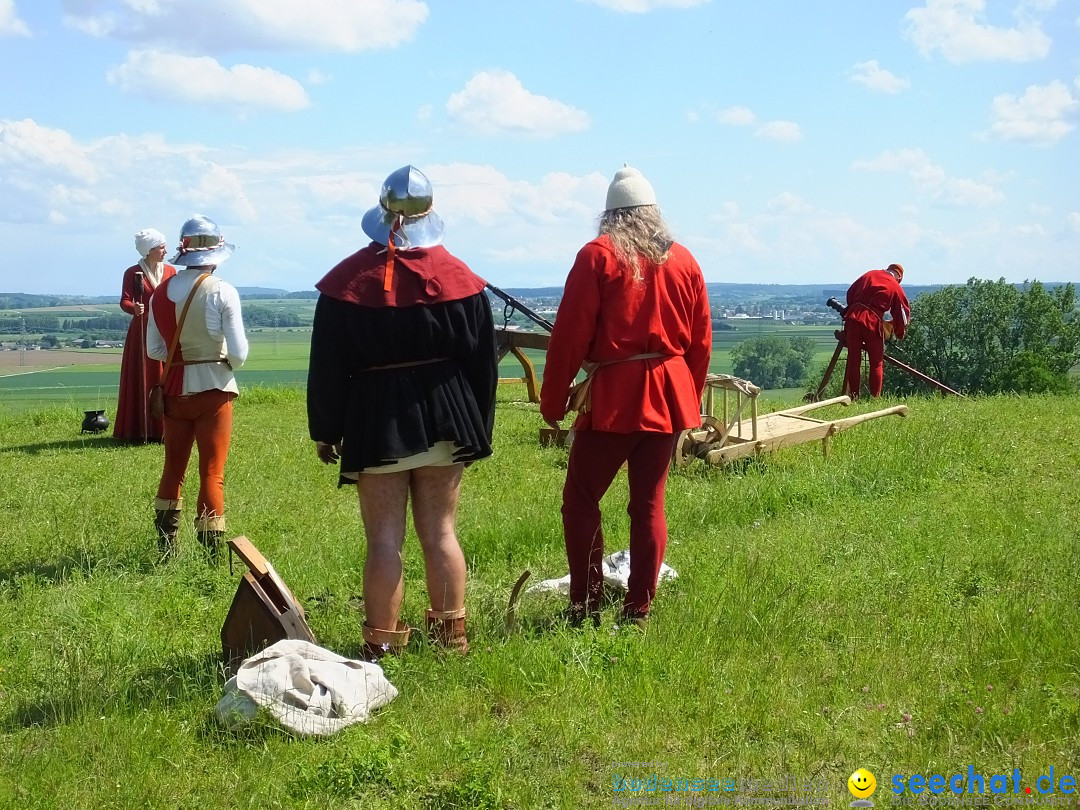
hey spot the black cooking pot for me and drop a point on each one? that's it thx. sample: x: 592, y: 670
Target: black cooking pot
x: 94, y: 422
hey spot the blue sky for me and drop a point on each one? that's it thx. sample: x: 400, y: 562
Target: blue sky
x: 788, y: 141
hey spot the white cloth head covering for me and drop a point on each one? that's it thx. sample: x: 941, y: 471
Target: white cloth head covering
x: 147, y: 239
x: 629, y: 189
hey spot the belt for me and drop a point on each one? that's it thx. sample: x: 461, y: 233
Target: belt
x: 580, y: 395
x: 409, y: 364
x: 224, y: 360
x: 646, y: 356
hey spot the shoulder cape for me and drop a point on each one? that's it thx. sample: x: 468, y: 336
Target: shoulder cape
x: 421, y: 276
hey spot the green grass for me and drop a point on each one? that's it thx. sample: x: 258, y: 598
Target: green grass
x: 926, y: 569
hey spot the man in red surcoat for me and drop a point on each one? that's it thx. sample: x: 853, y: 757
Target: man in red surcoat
x: 871, y: 296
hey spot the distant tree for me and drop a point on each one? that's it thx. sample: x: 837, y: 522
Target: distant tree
x: 990, y: 336
x: 52, y: 341
x: 86, y: 344
x: 771, y: 361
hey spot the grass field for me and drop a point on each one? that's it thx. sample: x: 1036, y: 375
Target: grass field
x: 907, y: 604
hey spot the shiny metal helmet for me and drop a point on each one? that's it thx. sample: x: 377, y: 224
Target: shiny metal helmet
x: 405, y: 200
x: 201, y: 243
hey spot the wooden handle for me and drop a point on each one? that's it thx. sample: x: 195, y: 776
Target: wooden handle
x: 251, y: 556
x: 515, y: 592
x: 852, y: 421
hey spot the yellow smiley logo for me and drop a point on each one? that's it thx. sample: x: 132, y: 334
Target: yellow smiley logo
x: 862, y: 784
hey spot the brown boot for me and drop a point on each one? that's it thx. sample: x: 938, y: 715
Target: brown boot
x: 213, y: 544
x: 378, y: 643
x: 446, y: 628
x: 210, y: 530
x: 167, y: 525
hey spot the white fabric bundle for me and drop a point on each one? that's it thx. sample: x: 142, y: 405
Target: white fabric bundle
x: 616, y: 570
x: 308, y: 689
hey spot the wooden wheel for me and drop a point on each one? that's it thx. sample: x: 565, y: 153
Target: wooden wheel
x: 715, y: 429
x: 684, y: 448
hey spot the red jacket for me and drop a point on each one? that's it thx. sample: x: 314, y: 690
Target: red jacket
x: 872, y: 295
x: 605, y: 315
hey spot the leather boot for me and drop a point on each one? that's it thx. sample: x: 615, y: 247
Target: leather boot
x: 635, y: 618
x: 167, y: 525
x: 378, y: 643
x: 213, y: 544
x: 446, y: 628
x: 576, y: 614
x: 210, y: 529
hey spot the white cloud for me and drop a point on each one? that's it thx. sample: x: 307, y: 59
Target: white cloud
x: 871, y: 74
x: 105, y: 189
x: 317, y: 77
x: 957, y: 30
x: 221, y: 26
x: 50, y: 176
x: 202, y: 81
x: 737, y: 117
x: 794, y: 237
x: 1074, y: 221
x: 788, y: 203
x: 932, y: 180
x: 785, y: 131
x: 494, y: 102
x: 642, y: 6
x: 10, y: 24
x: 1040, y: 116
x: 53, y: 152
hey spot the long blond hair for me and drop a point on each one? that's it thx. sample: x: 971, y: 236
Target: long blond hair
x: 635, y: 233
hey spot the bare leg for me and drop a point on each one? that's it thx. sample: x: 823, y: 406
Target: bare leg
x: 383, y: 499
x: 435, y: 492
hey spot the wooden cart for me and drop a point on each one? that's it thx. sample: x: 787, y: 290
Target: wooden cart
x: 737, y: 434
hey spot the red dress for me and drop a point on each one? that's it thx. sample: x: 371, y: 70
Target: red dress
x: 131, y: 403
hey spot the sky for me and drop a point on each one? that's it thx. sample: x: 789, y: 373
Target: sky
x: 789, y: 142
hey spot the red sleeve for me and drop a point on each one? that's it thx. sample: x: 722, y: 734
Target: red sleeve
x: 128, y: 290
x: 700, y: 349
x: 901, y: 313
x: 572, y: 335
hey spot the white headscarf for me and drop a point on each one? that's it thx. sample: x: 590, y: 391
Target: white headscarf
x: 146, y: 240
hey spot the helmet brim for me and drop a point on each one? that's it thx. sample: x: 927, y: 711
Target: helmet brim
x: 415, y: 232
x: 201, y: 258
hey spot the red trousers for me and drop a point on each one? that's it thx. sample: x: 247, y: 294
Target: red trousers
x: 595, y: 458
x: 857, y: 337
x: 205, y: 420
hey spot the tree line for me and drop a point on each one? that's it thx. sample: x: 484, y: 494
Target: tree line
x: 984, y: 337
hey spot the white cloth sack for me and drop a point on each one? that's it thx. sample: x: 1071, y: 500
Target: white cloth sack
x: 308, y: 689
x: 616, y: 570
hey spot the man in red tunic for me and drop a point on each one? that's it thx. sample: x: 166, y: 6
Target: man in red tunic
x: 634, y: 307
x: 868, y: 299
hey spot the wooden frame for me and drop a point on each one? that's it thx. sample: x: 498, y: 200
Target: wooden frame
x: 720, y: 440
x: 514, y: 341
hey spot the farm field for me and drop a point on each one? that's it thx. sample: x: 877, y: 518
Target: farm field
x: 88, y: 379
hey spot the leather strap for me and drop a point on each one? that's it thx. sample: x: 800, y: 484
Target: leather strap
x: 180, y: 325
